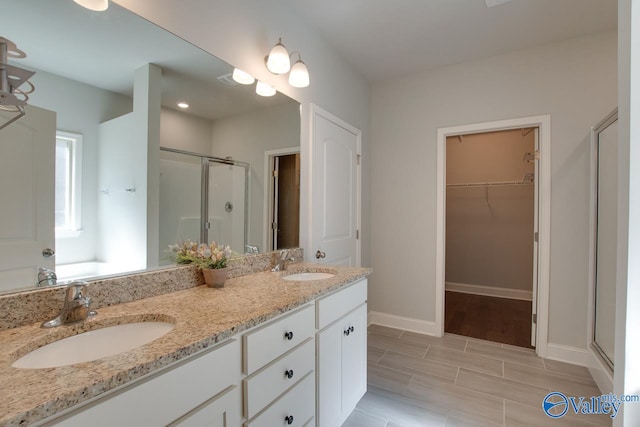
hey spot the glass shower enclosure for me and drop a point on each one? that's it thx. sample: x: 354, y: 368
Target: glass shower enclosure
x: 202, y: 199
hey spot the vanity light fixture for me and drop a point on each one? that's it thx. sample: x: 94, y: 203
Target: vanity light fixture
x: 264, y: 89
x: 242, y: 77
x: 183, y: 105
x: 95, y: 5
x: 299, y: 75
x: 279, y: 62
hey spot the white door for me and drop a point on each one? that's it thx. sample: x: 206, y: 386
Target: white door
x: 335, y: 196
x: 534, y: 293
x: 27, y: 171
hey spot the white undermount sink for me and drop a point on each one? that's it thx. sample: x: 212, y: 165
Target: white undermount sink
x: 93, y: 345
x: 315, y: 275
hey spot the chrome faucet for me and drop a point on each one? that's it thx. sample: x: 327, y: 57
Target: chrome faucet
x: 281, y: 265
x: 75, y: 308
x: 47, y: 277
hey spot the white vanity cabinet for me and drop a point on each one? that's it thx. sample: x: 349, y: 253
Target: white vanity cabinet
x: 341, y: 353
x: 279, y: 359
x: 201, y: 391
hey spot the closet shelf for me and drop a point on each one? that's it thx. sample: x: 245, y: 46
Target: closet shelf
x: 489, y: 184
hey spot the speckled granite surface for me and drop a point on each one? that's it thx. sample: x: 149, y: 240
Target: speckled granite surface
x: 203, y: 316
x: 41, y: 304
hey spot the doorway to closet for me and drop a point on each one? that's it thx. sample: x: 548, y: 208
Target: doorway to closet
x: 491, y: 225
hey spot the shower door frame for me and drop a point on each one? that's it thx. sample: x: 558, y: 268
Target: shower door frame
x: 204, y: 189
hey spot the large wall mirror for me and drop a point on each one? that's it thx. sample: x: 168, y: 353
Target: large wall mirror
x: 107, y: 170
x: 604, y: 304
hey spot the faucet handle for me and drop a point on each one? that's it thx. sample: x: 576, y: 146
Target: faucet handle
x: 76, y: 290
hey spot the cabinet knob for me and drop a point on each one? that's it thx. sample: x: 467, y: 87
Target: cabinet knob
x: 289, y: 373
x: 288, y: 419
x: 288, y: 335
x: 349, y: 330
x: 320, y: 254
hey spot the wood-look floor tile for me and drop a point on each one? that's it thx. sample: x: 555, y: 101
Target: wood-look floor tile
x: 501, y: 387
x: 359, y: 418
x: 418, y: 366
x: 567, y: 368
x: 399, y: 411
x: 465, y: 360
x: 385, y: 330
x: 387, y: 378
x: 506, y: 354
x: 448, y: 340
x: 519, y: 415
x: 384, y: 342
x: 456, y: 400
x: 374, y: 354
x: 460, y: 420
x: 554, y: 381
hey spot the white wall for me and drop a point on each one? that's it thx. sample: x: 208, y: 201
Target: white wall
x: 574, y: 81
x: 80, y: 109
x: 185, y: 132
x: 242, y: 33
x: 246, y: 137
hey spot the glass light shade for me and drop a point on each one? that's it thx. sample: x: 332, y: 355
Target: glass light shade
x: 242, y: 77
x: 97, y: 5
x: 278, y: 60
x: 264, y: 89
x: 299, y: 75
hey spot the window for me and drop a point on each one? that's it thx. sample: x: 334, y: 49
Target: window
x: 67, y: 183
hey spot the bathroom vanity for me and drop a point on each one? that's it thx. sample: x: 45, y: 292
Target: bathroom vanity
x: 262, y: 351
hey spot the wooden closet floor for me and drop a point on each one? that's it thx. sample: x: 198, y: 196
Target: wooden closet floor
x: 502, y: 320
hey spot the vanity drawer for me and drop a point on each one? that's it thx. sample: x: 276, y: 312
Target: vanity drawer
x: 336, y: 305
x: 270, y: 382
x: 268, y: 342
x: 297, y: 405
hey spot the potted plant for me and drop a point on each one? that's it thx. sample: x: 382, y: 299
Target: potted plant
x: 211, y: 259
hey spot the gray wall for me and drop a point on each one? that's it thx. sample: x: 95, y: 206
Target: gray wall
x: 574, y: 81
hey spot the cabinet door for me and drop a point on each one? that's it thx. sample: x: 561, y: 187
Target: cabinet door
x: 354, y: 358
x: 329, y: 362
x: 222, y: 410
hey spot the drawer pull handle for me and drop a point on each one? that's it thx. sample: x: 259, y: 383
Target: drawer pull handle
x: 288, y: 335
x: 349, y: 330
x: 288, y: 419
x: 289, y: 373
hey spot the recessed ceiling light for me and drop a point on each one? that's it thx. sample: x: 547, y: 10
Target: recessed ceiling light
x: 183, y: 105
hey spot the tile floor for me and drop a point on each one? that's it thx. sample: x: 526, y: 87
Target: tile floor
x: 419, y: 380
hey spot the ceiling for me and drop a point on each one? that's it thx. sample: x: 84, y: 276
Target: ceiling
x: 387, y: 38
x: 381, y: 38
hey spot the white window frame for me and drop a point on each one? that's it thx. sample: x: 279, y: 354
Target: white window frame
x: 75, y: 201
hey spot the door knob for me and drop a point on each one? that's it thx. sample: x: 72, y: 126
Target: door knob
x: 48, y: 252
x: 320, y: 254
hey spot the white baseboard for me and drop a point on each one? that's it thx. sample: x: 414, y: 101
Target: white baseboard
x: 601, y: 374
x: 490, y: 291
x: 406, y: 323
x: 567, y: 354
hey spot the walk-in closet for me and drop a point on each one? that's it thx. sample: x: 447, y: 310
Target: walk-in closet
x: 490, y: 235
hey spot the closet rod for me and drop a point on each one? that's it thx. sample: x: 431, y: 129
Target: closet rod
x: 489, y: 184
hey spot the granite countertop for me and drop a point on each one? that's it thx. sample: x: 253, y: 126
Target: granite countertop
x: 203, y: 317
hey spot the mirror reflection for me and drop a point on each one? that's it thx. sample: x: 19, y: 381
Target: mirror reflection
x: 133, y: 171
